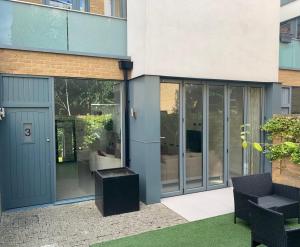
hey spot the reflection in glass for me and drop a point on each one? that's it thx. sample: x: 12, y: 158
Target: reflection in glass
x: 119, y: 8
x: 169, y: 117
x: 295, y: 100
x: 236, y: 120
x: 194, y: 130
x: 255, y: 120
x: 88, y: 133
x: 216, y: 135
x: 66, y: 4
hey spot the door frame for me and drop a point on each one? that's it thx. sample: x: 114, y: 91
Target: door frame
x: 205, y: 138
x: 50, y: 107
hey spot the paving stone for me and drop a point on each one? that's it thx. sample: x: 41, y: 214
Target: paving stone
x: 79, y: 224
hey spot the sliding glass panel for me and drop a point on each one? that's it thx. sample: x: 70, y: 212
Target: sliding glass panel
x: 170, y: 114
x: 194, y: 135
x: 255, y: 121
x: 216, y: 135
x: 236, y: 116
x: 88, y: 133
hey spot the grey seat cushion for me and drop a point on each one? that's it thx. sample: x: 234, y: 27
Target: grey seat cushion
x: 275, y: 201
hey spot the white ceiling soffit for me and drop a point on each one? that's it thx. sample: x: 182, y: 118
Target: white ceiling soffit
x: 290, y: 11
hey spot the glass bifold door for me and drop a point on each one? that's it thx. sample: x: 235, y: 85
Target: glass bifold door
x: 200, y: 134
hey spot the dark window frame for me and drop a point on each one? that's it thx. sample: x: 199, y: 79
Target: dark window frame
x: 294, y: 28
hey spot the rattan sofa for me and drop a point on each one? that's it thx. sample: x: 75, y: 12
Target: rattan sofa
x: 261, y: 190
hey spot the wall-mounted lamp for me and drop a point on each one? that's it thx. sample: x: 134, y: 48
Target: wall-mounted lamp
x: 133, y: 113
x: 2, y: 113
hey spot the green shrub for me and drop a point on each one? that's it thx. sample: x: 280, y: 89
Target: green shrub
x: 287, y: 130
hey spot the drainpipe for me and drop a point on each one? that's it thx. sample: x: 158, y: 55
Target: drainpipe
x: 126, y: 66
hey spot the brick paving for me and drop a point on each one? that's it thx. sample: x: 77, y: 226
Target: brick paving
x: 79, y: 224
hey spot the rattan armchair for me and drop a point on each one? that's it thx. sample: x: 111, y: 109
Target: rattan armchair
x: 267, y: 227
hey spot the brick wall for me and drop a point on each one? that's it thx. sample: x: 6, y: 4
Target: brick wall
x: 289, y: 77
x: 97, y: 6
x: 50, y: 64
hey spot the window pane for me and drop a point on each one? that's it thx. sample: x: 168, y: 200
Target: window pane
x: 216, y: 135
x: 296, y: 100
x: 285, y: 96
x: 298, y: 28
x: 119, y: 8
x: 289, y: 29
x: 169, y: 128
x: 285, y: 27
x: 82, y: 5
x: 66, y: 4
x: 236, y: 120
x: 255, y: 121
x: 88, y: 133
x: 194, y: 135
x: 283, y: 2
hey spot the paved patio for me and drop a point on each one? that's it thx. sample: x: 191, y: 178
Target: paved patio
x: 202, y: 205
x: 79, y: 224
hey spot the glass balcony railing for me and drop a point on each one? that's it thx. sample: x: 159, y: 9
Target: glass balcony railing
x: 290, y: 55
x: 34, y: 27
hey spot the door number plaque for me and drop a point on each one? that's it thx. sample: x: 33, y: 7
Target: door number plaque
x: 27, y: 132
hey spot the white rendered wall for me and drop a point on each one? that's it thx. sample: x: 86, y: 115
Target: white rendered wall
x: 290, y: 11
x: 215, y: 39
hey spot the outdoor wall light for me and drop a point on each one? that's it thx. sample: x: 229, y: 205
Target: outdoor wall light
x: 133, y: 113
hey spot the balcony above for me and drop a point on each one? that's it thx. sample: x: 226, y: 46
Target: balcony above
x: 290, y: 55
x: 42, y: 28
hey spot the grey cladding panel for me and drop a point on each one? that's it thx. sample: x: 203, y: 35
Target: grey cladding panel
x: 25, y: 90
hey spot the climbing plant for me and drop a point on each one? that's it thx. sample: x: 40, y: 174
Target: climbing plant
x: 283, y: 134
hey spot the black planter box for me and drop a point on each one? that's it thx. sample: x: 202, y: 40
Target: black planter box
x: 117, y: 191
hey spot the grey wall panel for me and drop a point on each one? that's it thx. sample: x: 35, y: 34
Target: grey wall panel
x: 137, y: 156
x: 152, y: 159
x: 145, y: 135
x: 272, y: 106
x: 25, y: 91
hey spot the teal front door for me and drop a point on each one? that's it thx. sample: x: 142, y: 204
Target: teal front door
x: 27, y: 132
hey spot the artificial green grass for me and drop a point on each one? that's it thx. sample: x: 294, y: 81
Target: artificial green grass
x: 214, y: 232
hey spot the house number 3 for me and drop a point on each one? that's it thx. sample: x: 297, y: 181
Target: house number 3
x: 27, y: 128
x: 27, y: 132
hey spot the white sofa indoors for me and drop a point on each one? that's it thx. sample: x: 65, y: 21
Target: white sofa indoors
x: 99, y: 162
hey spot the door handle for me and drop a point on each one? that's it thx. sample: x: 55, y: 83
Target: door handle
x: 47, y: 139
x: 162, y: 137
